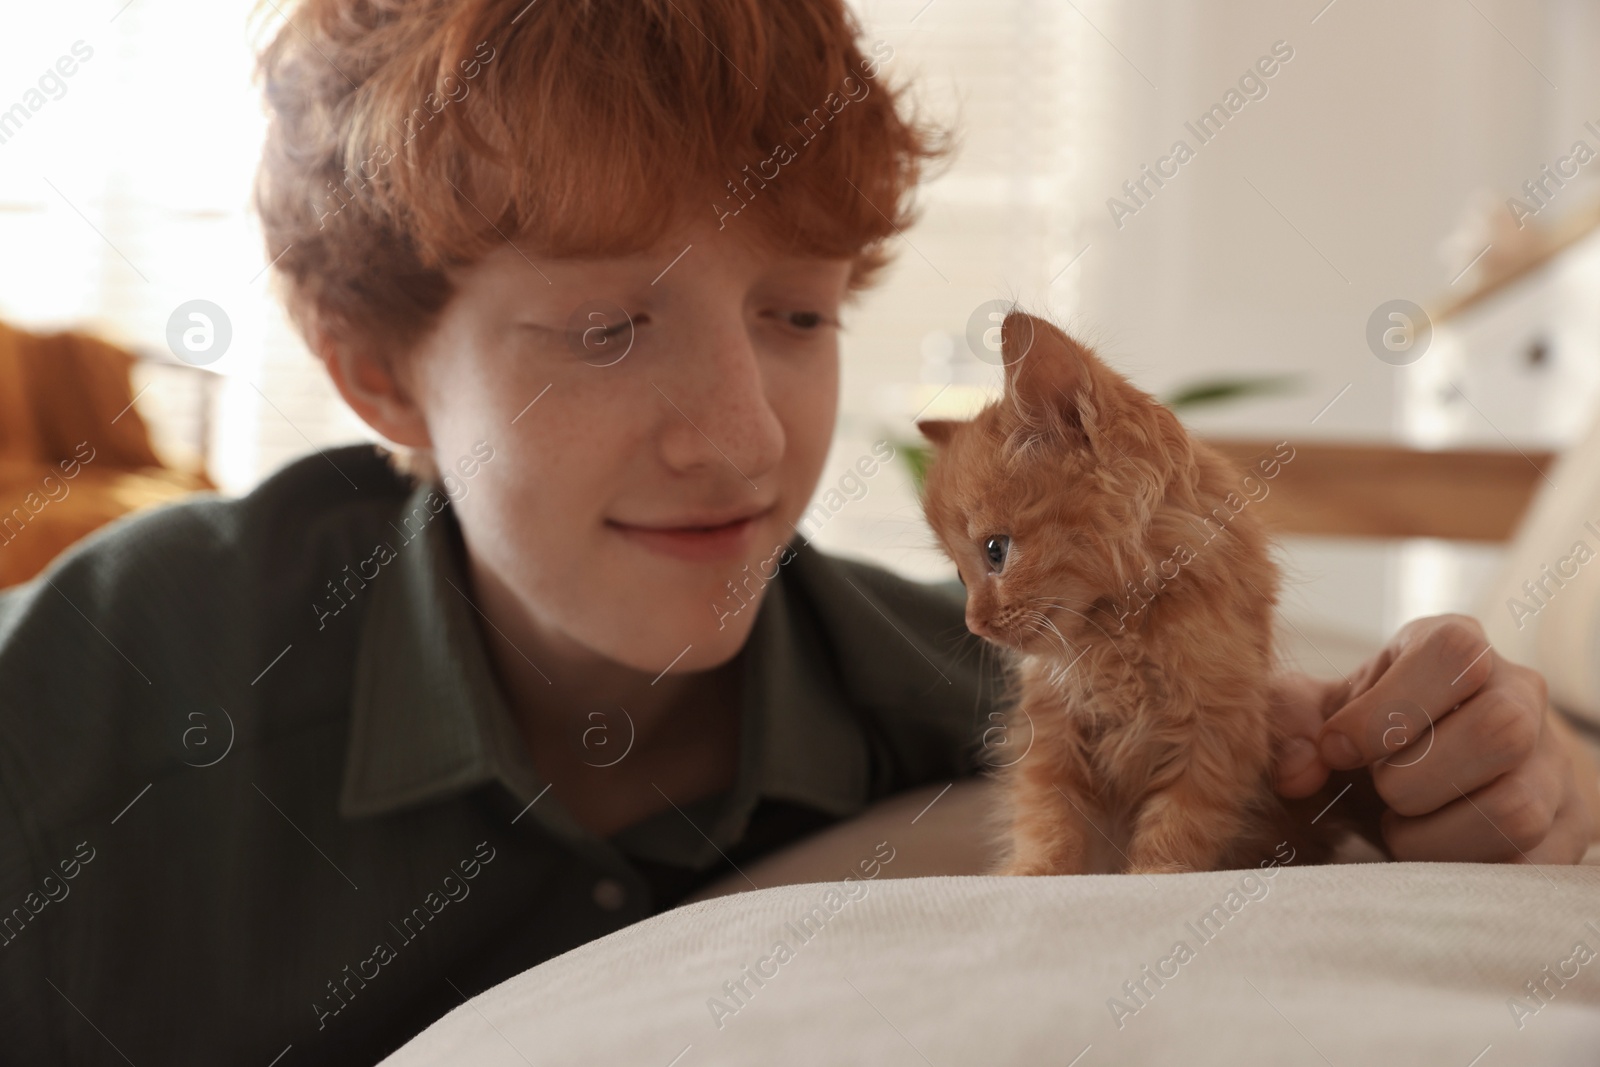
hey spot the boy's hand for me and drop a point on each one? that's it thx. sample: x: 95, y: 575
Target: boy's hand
x: 1463, y: 747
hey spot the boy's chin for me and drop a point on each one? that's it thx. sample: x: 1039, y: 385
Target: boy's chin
x: 687, y: 640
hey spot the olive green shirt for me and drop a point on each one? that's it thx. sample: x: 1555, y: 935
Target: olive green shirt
x: 261, y: 796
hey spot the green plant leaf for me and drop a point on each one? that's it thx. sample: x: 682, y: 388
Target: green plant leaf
x: 917, y: 456
x: 1221, y: 390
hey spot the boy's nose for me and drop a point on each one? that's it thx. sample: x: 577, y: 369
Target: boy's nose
x: 717, y: 408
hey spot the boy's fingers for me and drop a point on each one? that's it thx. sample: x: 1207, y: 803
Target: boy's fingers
x: 1515, y: 817
x: 1299, y: 706
x: 1299, y: 771
x: 1567, y: 842
x: 1497, y: 731
x: 1435, y: 664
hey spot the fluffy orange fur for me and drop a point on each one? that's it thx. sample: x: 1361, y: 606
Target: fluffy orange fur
x: 1150, y: 718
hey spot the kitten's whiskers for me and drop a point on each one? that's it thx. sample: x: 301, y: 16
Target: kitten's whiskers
x: 1059, y: 604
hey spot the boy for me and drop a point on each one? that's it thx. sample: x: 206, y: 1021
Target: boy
x: 295, y: 774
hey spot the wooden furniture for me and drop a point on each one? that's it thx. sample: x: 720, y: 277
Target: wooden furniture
x: 1387, y: 491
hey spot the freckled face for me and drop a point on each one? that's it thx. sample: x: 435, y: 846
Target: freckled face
x: 619, y: 505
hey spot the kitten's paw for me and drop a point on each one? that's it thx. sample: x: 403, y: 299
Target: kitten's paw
x: 1033, y: 869
x: 1020, y: 870
x: 1168, y: 867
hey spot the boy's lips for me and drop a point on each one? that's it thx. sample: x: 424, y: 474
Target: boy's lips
x: 702, y: 539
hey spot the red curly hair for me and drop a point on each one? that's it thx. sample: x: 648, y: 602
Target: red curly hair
x: 409, y: 136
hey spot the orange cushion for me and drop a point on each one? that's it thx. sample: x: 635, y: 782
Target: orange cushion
x: 43, y: 511
x: 19, y: 432
x: 80, y: 392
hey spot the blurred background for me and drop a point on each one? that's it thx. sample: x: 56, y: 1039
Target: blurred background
x: 1377, y: 163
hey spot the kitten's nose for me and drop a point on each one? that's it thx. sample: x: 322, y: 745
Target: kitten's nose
x: 979, y: 626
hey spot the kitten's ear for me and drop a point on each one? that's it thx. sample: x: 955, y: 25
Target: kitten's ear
x: 938, y: 430
x: 1044, y: 367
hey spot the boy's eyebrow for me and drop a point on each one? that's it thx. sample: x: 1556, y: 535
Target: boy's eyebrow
x: 640, y: 255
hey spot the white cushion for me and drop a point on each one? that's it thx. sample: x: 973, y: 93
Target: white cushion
x: 1363, y: 964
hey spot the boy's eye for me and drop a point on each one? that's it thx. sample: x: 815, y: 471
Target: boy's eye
x: 602, y: 336
x: 996, y: 549
x: 802, y: 321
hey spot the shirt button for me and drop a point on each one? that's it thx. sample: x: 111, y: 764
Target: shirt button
x: 609, y: 894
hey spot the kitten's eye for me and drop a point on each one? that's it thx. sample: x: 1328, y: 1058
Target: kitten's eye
x: 996, y: 549
x: 805, y: 320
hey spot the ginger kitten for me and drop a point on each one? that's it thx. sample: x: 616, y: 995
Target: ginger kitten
x: 1152, y: 736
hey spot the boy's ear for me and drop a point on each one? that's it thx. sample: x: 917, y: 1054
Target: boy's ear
x: 374, y: 391
x: 938, y: 430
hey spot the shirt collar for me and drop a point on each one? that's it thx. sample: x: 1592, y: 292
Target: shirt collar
x: 428, y: 720
x: 423, y: 699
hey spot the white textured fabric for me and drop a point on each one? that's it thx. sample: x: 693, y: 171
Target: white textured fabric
x: 1353, y: 965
